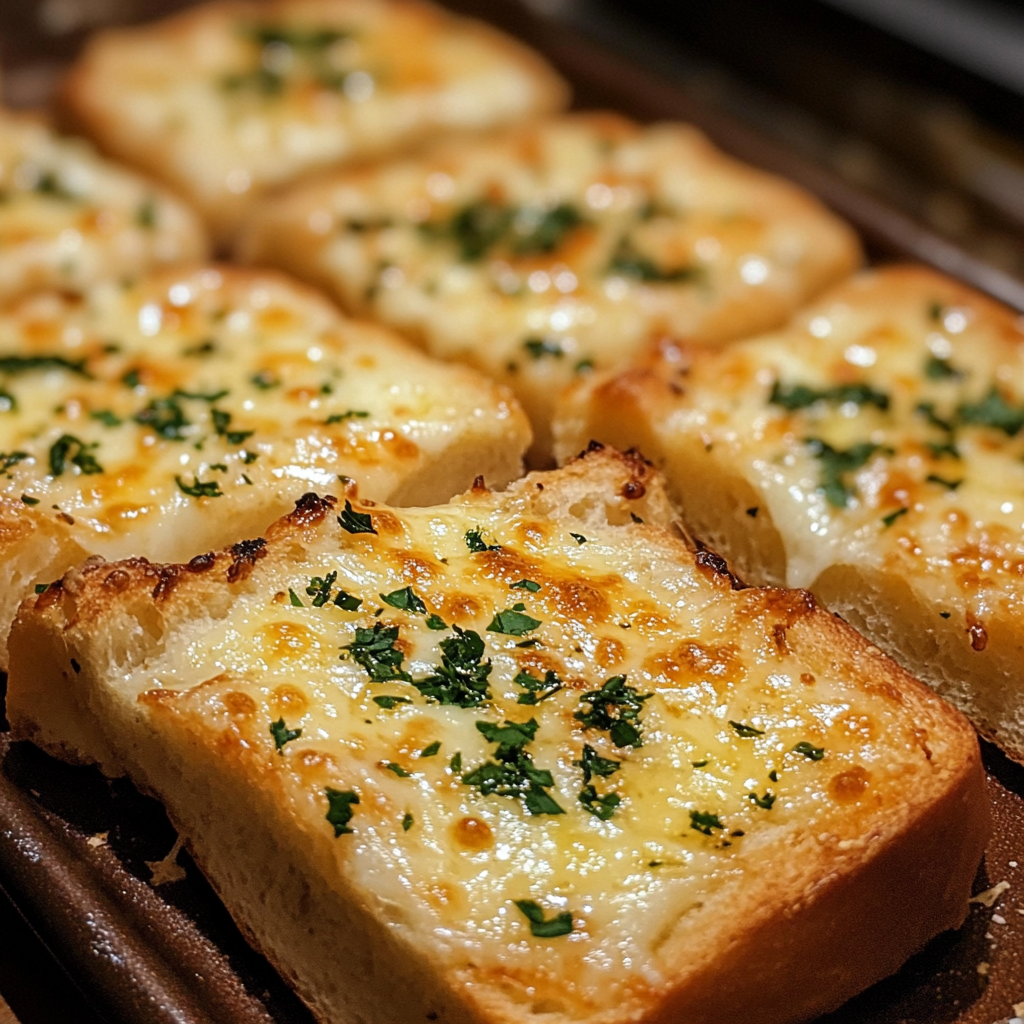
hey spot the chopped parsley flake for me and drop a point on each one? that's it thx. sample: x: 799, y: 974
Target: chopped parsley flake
x: 389, y: 702
x: 346, y: 602
x: 407, y: 821
x: 27, y: 364
x: 221, y: 424
x: 374, y: 649
x: 765, y: 802
x: 602, y: 806
x: 513, y: 622
x: 579, y: 538
x: 355, y: 522
x: 264, y: 380
x: 809, y: 750
x: 560, y: 924
x: 42, y: 588
x: 629, y: 262
x: 593, y: 764
x: 455, y: 764
x: 165, y: 417
x: 704, y: 822
x: 9, y: 459
x: 461, y: 678
x: 29, y: 500
x: 837, y: 463
x: 68, y: 448
x: 282, y: 734
x: 746, y: 731
x: 436, y: 622
x: 475, y: 542
x: 512, y: 773
x: 540, y: 347
x: 800, y: 396
x: 529, y: 585
x: 319, y: 589
x: 199, y: 488
x: 340, y: 417
x: 699, y: 764
x: 406, y: 600
x: 431, y: 750
x: 993, y: 411
x: 294, y: 598
x: 616, y: 708
x: 106, y: 417
x: 398, y: 770
x: 339, y: 809
x: 893, y: 516
x: 941, y: 369
x: 950, y: 485
x: 536, y: 689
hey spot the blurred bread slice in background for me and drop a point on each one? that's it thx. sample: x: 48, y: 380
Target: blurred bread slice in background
x: 69, y: 218
x: 559, y: 248
x: 228, y: 99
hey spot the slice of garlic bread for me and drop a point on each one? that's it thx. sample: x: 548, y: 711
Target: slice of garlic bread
x: 69, y: 218
x: 194, y: 407
x: 559, y: 248
x: 873, y: 452
x: 523, y: 756
x: 230, y: 98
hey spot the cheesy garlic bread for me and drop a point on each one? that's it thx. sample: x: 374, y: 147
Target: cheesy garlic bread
x: 69, y: 219
x: 873, y: 452
x: 559, y: 248
x: 234, y: 97
x: 166, y: 417
x: 520, y: 757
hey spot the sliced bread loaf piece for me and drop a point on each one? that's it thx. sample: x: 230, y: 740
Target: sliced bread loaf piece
x: 196, y: 406
x: 521, y: 757
x: 559, y: 248
x: 69, y: 218
x: 873, y: 452
x: 231, y: 98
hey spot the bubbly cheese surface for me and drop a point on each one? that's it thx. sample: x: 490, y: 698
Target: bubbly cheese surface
x: 69, y: 219
x: 233, y: 97
x: 561, y: 247
x: 884, y: 429
x: 722, y: 738
x: 157, y: 418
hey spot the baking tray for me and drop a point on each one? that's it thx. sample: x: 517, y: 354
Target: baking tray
x: 94, y: 867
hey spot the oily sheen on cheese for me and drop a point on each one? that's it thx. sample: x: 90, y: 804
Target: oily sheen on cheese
x: 229, y: 99
x: 69, y: 218
x: 523, y: 756
x: 559, y: 248
x: 874, y: 452
x: 163, y: 418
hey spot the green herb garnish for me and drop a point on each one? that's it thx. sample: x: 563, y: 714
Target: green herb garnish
x: 106, y: 417
x: 993, y: 411
x: 836, y: 464
x: 941, y: 369
x: 800, y: 396
x: 407, y: 821
x: 475, y: 543
x: 616, y: 708
x: 319, y: 589
x: 398, y: 770
x: 513, y: 622
x: 388, y: 702
x: 461, y: 678
x: 537, y: 690
x: 704, y: 822
x: 221, y: 424
x: 893, y: 516
x: 199, y: 488
x: 68, y: 448
x: 295, y: 600
x: 375, y: 650
x: 406, y: 600
x: 560, y: 924
x: 282, y: 734
x: 746, y: 731
x: 12, y: 364
x: 340, y: 417
x: 436, y: 622
x: 629, y: 262
x: 540, y: 347
x: 355, y: 522
x: 765, y: 802
x: 529, y: 585
x: 339, y: 809
x: 431, y: 750
x: 809, y: 750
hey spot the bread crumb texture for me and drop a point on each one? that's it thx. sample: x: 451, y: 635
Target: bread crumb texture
x: 69, y: 218
x: 559, y: 248
x: 229, y: 99
x: 873, y: 451
x: 168, y: 415
x: 562, y: 762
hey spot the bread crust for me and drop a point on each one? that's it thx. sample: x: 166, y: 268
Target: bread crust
x: 199, y: 403
x: 925, y: 558
x: 142, y: 93
x: 637, y: 233
x: 849, y: 898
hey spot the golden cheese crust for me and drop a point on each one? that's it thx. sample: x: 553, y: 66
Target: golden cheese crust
x: 523, y: 754
x: 559, y: 248
x: 231, y: 98
x: 169, y: 416
x: 872, y: 452
x: 69, y: 218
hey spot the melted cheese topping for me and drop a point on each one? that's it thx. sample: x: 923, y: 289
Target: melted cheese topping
x: 161, y: 417
x: 728, y: 693
x: 934, y: 491
x: 69, y: 219
x: 561, y: 248
x: 231, y: 98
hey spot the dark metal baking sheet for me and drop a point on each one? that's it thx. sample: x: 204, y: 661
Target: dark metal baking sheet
x: 77, y: 850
